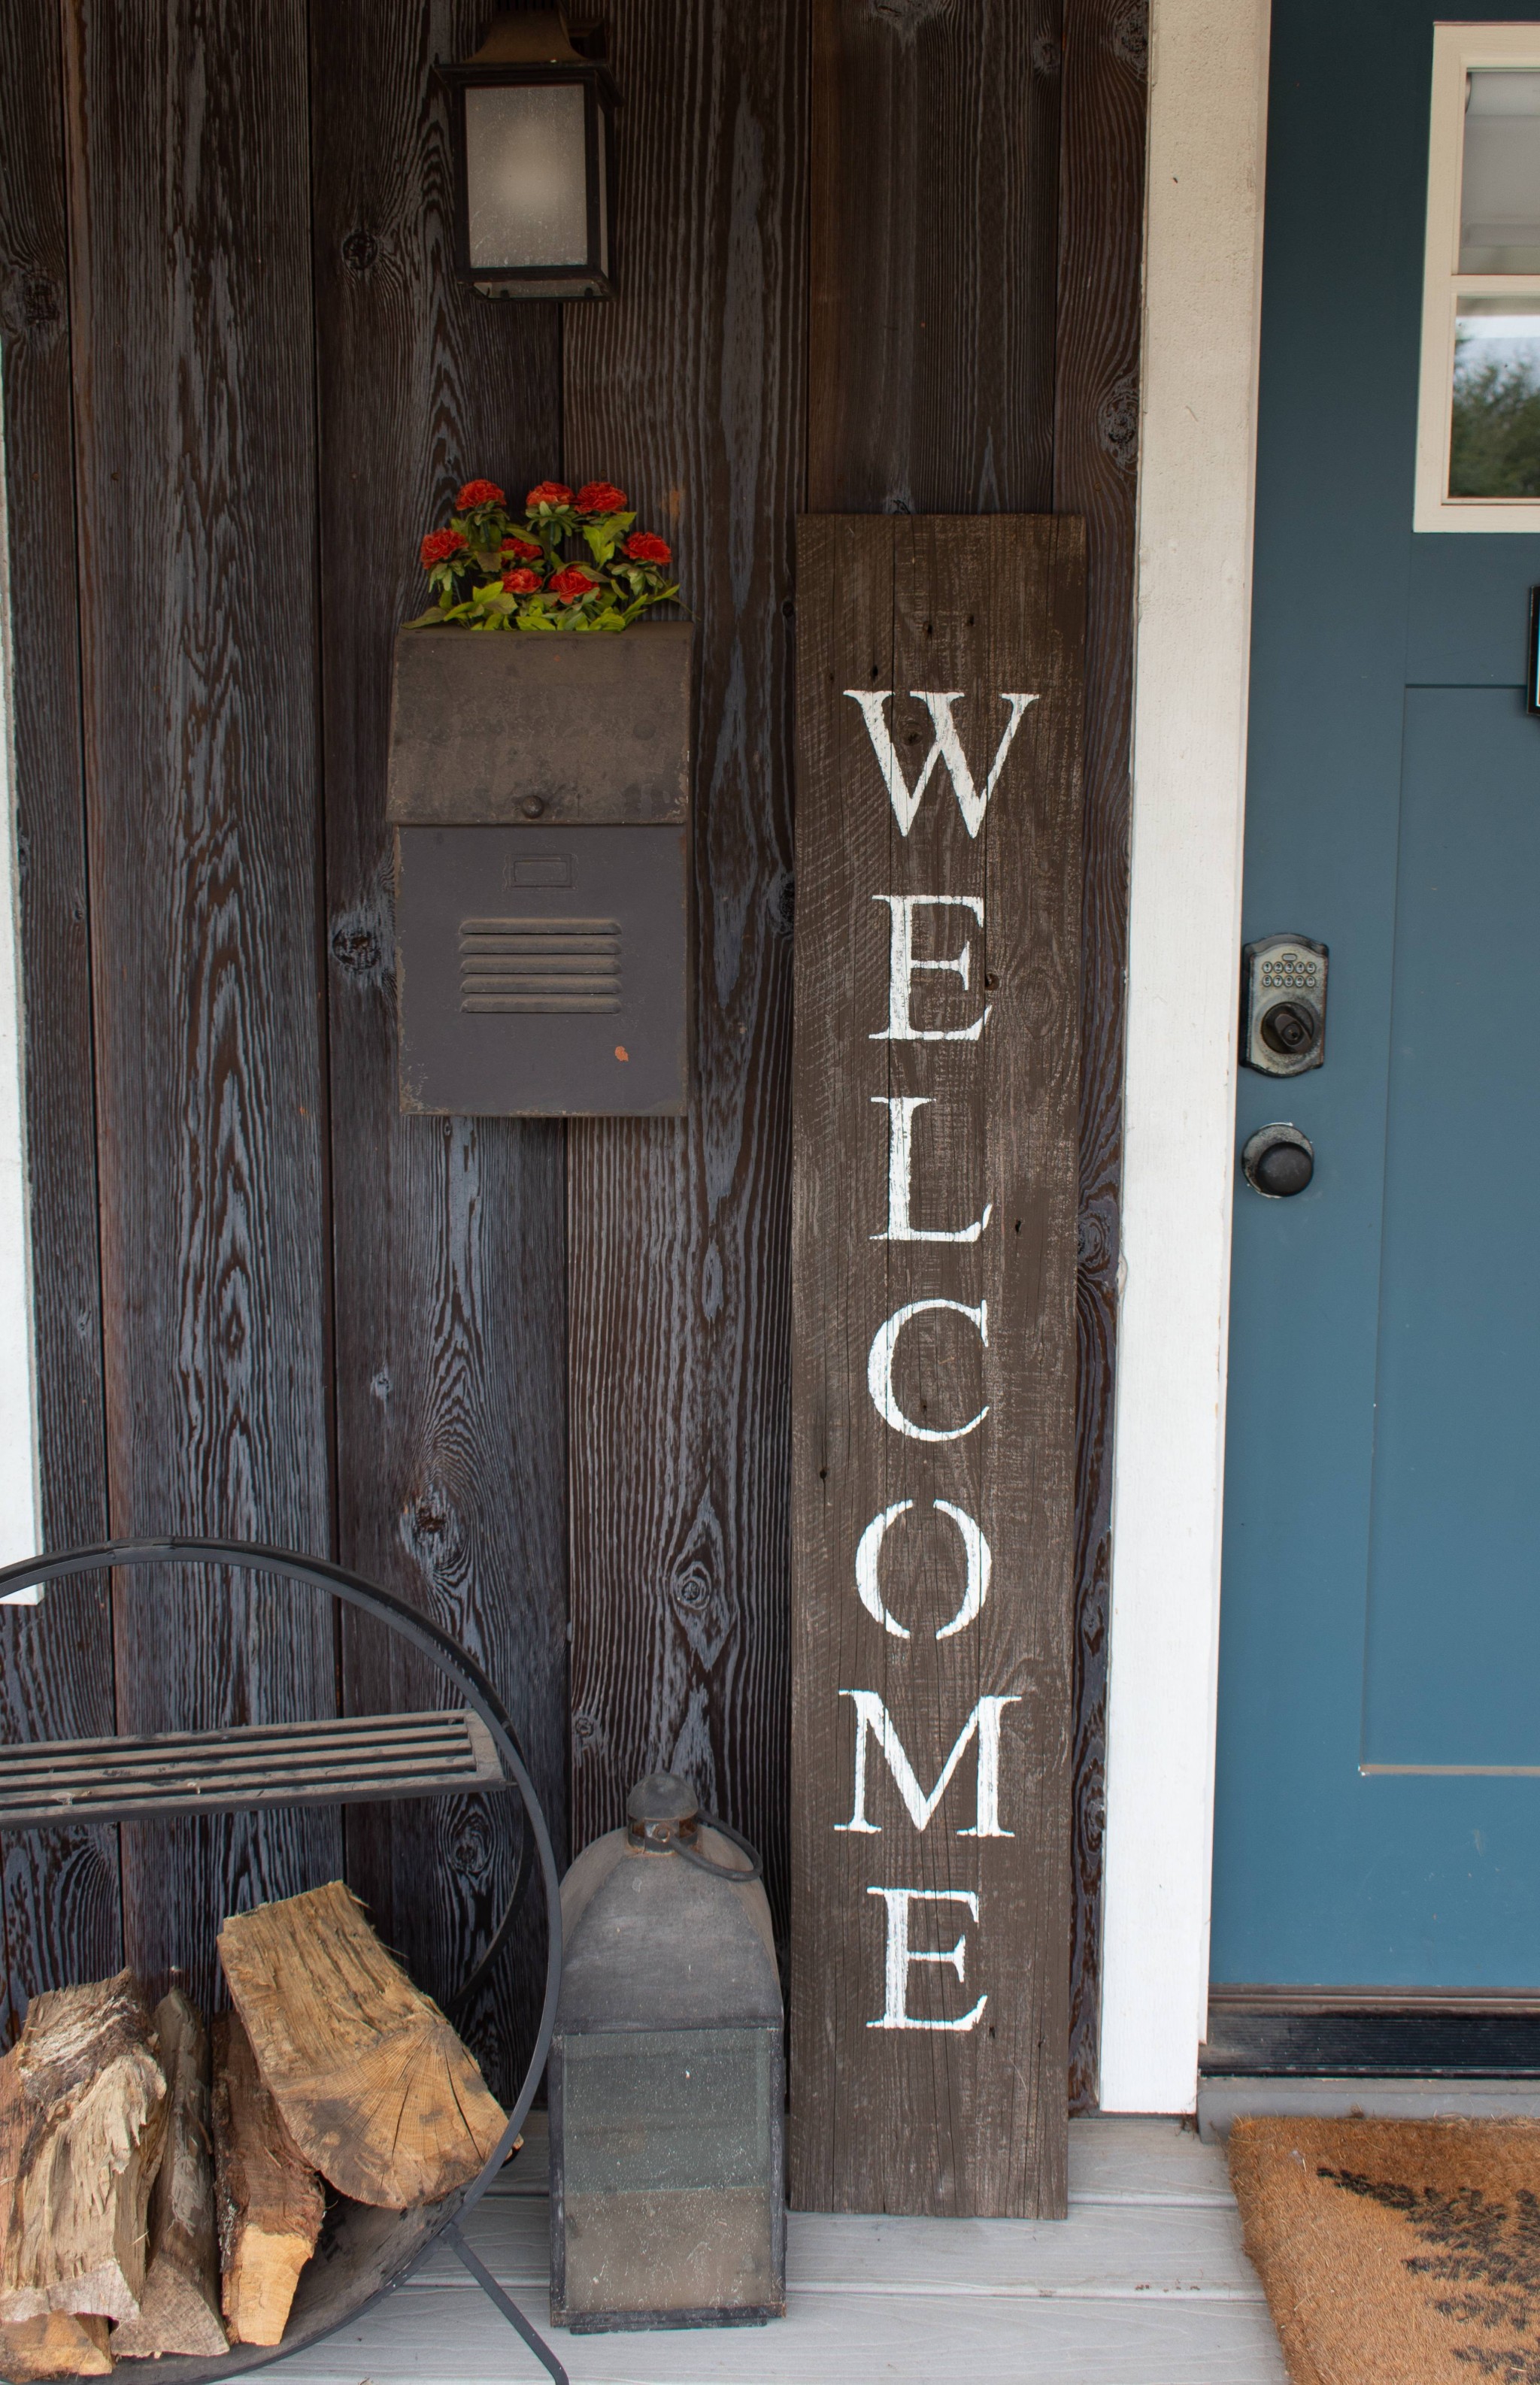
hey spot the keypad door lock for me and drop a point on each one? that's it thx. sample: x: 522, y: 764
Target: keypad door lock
x: 1283, y: 1006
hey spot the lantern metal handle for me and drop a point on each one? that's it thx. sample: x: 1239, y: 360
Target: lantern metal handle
x: 722, y: 1871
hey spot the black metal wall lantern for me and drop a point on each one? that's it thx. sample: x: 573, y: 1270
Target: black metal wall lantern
x: 532, y: 117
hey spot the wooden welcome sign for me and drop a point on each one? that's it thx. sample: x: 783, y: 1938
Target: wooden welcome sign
x: 936, y: 1074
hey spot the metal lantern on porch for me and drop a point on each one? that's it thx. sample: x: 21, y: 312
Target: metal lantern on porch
x: 533, y: 124
x: 667, y: 2080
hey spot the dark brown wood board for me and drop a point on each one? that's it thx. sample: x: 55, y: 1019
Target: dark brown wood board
x: 1095, y: 475
x: 688, y: 390
x: 61, y: 1914
x: 448, y: 1234
x: 192, y: 351
x: 934, y: 143
x: 935, y: 1090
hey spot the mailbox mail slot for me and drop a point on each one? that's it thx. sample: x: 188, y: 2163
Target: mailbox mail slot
x: 539, y: 797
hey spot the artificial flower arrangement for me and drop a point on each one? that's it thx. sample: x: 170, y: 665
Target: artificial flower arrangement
x: 518, y: 575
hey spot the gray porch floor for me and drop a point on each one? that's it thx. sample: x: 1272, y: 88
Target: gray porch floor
x: 1145, y: 2284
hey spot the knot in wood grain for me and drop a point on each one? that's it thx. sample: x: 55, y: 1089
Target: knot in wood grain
x: 1127, y: 35
x: 34, y: 302
x: 471, y: 1848
x: 356, y: 946
x: 359, y: 251
x: 1094, y: 1251
x: 1117, y: 421
x: 905, y: 17
x: 780, y: 903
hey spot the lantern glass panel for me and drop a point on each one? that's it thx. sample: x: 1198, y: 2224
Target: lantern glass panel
x: 526, y: 175
x: 670, y: 2170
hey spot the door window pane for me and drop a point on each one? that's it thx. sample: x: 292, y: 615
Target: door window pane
x: 1494, y: 445
x: 1499, y: 199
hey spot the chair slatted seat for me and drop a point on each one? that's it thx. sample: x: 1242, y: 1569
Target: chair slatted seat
x: 352, y: 1759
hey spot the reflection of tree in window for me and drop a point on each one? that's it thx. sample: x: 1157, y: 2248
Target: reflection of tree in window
x: 1495, y: 451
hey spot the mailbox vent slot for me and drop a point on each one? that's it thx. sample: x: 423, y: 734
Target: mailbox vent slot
x: 540, y: 965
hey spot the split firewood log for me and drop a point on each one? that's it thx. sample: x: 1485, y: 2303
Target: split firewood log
x: 57, y: 2345
x: 178, y: 2310
x: 375, y: 2086
x: 271, y: 2205
x: 82, y: 2122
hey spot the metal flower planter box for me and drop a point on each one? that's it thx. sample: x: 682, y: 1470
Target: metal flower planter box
x: 539, y: 797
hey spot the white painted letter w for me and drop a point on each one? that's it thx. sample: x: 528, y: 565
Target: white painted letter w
x: 947, y: 748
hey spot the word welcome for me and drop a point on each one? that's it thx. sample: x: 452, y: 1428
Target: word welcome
x: 979, y: 1730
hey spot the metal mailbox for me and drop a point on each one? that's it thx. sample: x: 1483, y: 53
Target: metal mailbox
x: 539, y: 797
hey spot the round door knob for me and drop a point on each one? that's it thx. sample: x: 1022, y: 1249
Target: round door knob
x: 1289, y: 1027
x: 1278, y: 1162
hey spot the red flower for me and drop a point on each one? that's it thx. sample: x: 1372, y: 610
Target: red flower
x: 439, y: 544
x: 644, y: 546
x: 522, y: 583
x: 478, y: 493
x: 549, y: 492
x: 525, y: 547
x: 572, y: 583
x: 601, y: 497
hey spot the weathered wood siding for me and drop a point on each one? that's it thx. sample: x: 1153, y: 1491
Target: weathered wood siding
x: 450, y: 1327
x: 190, y: 332
x: 60, y: 1889
x: 688, y: 388
x: 1101, y: 200
x: 872, y: 258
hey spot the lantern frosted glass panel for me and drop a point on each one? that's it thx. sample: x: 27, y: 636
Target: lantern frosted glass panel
x: 1500, y: 200
x: 669, y: 2185
x: 526, y: 175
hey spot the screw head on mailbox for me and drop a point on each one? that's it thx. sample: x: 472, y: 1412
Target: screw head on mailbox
x: 539, y: 799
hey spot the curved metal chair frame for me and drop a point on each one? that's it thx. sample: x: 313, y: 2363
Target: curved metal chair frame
x: 382, y: 2248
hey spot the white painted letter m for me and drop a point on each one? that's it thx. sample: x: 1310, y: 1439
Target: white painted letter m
x: 872, y: 1721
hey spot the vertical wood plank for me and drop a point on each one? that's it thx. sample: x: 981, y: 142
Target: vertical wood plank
x: 186, y: 126
x: 893, y: 424
x: 1095, y: 475
x: 688, y: 390
x: 449, y: 1233
x: 62, y: 1919
x: 912, y: 2089
x: 931, y: 324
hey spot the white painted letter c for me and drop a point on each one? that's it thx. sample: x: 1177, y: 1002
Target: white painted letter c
x: 879, y: 1370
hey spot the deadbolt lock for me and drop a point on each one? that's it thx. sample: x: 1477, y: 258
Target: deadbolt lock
x: 1283, y: 1006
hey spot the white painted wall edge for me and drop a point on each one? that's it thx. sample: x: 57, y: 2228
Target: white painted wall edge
x: 1208, y: 66
x: 20, y: 1504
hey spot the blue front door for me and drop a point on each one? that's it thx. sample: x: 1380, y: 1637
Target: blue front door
x: 1378, y: 1806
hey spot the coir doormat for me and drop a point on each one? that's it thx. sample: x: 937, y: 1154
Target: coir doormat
x: 1397, y: 2252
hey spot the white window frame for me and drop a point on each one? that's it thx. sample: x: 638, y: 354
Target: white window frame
x: 1457, y: 49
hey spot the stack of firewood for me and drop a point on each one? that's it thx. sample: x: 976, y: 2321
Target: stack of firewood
x: 162, y: 2185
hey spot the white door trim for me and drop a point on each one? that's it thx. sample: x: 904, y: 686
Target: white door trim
x: 1208, y: 65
